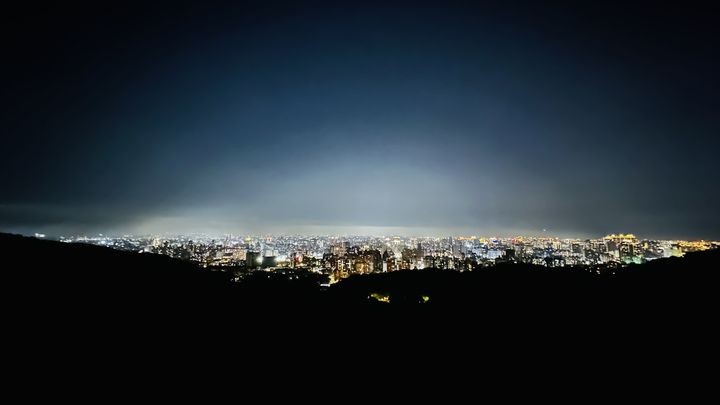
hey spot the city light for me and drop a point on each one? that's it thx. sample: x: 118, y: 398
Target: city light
x: 339, y: 257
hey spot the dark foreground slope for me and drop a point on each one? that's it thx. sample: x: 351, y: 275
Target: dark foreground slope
x: 665, y: 283
x: 84, y: 277
x: 63, y: 299
x: 79, y: 281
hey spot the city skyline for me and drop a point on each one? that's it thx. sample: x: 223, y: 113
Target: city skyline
x: 361, y: 117
x: 339, y: 257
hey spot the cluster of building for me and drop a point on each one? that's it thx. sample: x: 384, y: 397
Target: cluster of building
x: 341, y: 256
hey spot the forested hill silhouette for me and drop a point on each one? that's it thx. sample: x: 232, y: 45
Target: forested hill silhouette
x: 78, y: 279
x: 679, y: 282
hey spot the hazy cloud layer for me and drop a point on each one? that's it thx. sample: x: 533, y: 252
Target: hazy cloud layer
x: 362, y: 117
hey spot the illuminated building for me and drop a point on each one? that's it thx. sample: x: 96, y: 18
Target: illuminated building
x: 252, y: 259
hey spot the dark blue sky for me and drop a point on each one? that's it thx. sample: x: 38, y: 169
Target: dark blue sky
x: 362, y: 117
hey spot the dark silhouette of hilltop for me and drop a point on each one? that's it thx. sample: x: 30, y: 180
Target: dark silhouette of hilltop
x: 673, y: 281
x: 84, y: 281
x: 43, y: 264
x: 81, y: 281
x: 61, y: 299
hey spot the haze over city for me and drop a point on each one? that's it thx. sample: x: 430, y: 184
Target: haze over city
x: 371, y: 118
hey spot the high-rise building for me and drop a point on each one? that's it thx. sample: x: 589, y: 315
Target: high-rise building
x: 252, y: 259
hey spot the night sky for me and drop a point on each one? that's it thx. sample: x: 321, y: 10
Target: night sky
x: 361, y: 117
